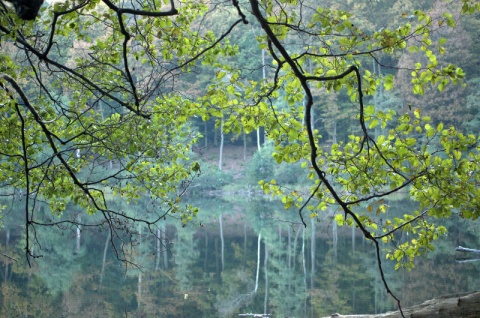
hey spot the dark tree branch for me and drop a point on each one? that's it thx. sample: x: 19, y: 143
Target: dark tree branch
x: 421, y: 215
x: 240, y: 13
x: 110, y: 216
x: 9, y: 257
x: 173, y: 11
x: 313, y: 154
x: 56, y: 15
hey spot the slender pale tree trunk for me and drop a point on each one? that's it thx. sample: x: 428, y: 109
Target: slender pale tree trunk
x: 164, y: 240
x: 159, y: 249
x: 220, y: 159
x: 79, y: 233
x: 205, y: 135
x: 334, y: 128
x: 264, y: 75
x: 244, y: 146
x: 353, y: 238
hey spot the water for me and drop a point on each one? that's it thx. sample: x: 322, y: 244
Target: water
x: 241, y: 256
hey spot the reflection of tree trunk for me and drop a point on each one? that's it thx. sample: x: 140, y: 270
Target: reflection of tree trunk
x: 335, y: 238
x: 205, y: 260
x: 107, y: 242
x: 220, y: 159
x: 258, y: 262
x: 217, y: 267
x: 466, y: 249
x: 139, y: 295
x: 376, y: 293
x: 139, y: 284
x: 312, y: 252
x: 222, y: 242
x: 265, y: 264
x: 244, y: 244
x: 304, y: 272
x: 7, y: 242
x: 289, y: 257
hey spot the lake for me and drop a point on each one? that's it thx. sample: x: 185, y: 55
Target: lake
x: 242, y: 256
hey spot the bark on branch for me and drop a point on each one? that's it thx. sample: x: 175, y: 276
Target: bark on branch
x: 453, y: 306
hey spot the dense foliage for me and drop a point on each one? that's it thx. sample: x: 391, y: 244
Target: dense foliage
x: 103, y: 100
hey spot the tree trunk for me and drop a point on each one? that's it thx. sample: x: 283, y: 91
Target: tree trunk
x: 453, y: 306
x: 258, y: 139
x: 205, y: 133
x: 264, y: 75
x: 79, y: 234
x: 220, y: 160
x: 164, y: 240
x: 159, y: 249
x: 244, y: 146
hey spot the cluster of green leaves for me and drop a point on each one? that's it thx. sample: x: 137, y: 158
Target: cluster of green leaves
x: 101, y: 118
x: 439, y: 167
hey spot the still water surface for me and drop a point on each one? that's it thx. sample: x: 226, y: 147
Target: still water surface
x: 240, y: 257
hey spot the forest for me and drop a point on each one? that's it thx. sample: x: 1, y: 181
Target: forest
x: 120, y: 117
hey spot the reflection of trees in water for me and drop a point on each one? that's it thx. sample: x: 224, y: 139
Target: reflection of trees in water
x: 234, y: 301
x: 227, y: 307
x: 285, y: 271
